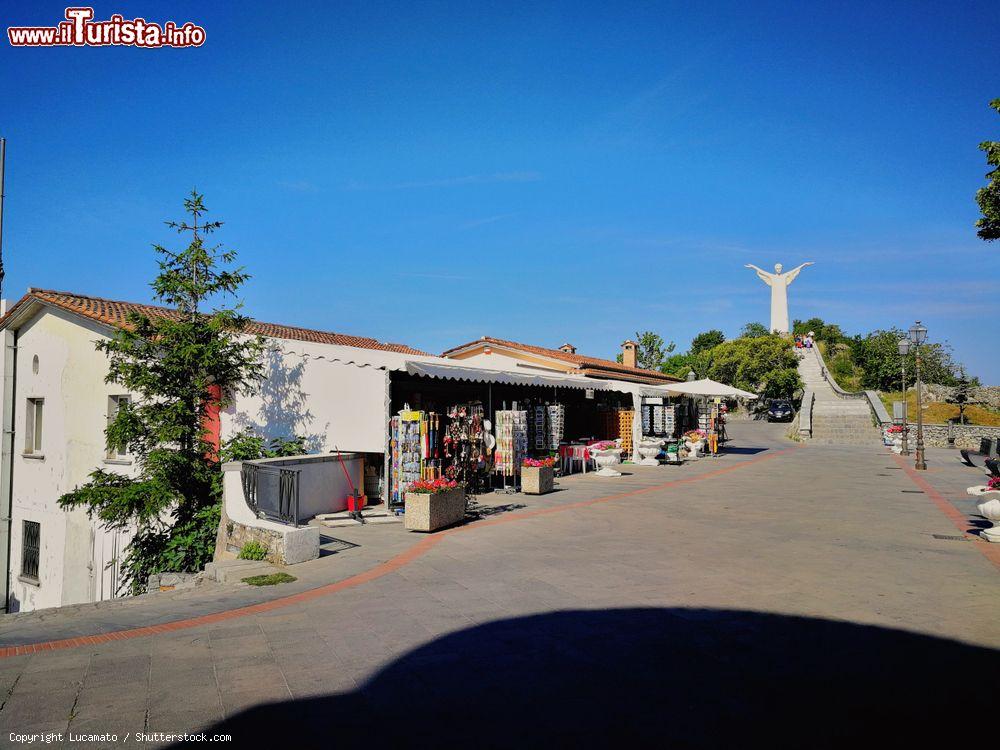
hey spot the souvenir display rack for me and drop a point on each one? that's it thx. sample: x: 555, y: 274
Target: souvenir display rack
x: 512, y: 442
x: 659, y: 420
x: 556, y: 414
x: 405, y: 446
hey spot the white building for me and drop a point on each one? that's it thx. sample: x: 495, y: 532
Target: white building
x: 336, y: 390
x: 57, y: 406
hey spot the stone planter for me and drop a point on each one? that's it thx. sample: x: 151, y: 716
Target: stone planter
x: 694, y: 447
x: 649, y: 449
x: 988, y: 505
x: 605, y: 460
x: 537, y: 480
x: 427, y: 512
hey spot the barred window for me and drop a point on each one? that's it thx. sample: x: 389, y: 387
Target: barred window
x: 31, y: 541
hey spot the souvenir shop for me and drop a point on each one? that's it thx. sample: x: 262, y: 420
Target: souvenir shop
x: 478, y: 433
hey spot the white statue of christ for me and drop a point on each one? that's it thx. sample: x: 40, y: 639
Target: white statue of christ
x: 778, y: 282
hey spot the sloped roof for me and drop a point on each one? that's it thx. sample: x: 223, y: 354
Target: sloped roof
x: 115, y: 313
x: 593, y: 366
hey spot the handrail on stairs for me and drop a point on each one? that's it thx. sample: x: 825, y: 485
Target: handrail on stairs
x: 874, y: 402
x: 806, y: 412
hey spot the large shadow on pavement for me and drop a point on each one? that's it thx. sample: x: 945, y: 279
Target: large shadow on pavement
x: 653, y: 677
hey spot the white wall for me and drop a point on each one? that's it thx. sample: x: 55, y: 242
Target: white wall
x: 333, y: 404
x: 497, y: 360
x: 70, y: 378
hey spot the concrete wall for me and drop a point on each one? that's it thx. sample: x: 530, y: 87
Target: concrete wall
x: 334, y: 405
x: 70, y: 377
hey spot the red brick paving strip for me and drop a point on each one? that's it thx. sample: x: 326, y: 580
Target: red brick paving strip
x: 397, y: 562
x: 990, y: 551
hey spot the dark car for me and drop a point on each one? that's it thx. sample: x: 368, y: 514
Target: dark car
x: 780, y: 411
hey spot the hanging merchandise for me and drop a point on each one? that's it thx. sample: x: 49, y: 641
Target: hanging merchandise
x: 556, y: 425
x: 466, y: 446
x: 414, y: 451
x: 512, y: 442
x: 407, y: 452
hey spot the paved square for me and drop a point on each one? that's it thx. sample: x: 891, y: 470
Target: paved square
x: 803, y: 596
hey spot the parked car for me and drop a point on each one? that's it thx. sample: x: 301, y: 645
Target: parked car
x: 780, y: 410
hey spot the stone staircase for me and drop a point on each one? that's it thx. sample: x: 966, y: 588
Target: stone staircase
x: 836, y: 419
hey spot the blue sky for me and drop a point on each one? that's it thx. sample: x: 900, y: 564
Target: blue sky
x: 547, y: 172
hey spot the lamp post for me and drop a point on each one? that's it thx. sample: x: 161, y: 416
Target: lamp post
x: 904, y: 349
x: 918, y: 334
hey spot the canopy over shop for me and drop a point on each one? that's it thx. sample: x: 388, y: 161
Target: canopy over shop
x: 428, y: 416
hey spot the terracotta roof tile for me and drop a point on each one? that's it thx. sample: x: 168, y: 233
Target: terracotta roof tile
x: 115, y: 313
x: 595, y: 366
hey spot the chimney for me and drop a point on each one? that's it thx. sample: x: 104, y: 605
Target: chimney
x: 630, y: 353
x: 568, y: 349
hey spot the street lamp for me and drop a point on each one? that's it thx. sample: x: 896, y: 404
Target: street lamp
x: 904, y: 349
x: 918, y: 334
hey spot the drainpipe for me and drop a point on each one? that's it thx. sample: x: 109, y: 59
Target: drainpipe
x: 7, y: 452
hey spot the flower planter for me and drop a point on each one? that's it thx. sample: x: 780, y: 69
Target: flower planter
x: 694, y: 447
x: 605, y: 460
x: 432, y: 511
x: 649, y: 449
x: 537, y: 480
x: 988, y: 505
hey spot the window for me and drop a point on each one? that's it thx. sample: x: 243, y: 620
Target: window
x: 31, y: 536
x: 115, y: 404
x: 33, y: 427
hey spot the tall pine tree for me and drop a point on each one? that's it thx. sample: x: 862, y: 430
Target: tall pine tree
x: 173, y: 364
x: 989, y: 196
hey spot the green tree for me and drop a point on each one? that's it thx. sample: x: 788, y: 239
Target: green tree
x: 706, y: 340
x: 678, y: 365
x: 765, y: 365
x: 652, y: 350
x: 962, y: 396
x: 830, y: 333
x: 173, y: 363
x: 753, y: 330
x: 876, y: 355
x: 988, y: 197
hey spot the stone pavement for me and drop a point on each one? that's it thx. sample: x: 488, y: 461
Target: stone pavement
x: 795, y: 595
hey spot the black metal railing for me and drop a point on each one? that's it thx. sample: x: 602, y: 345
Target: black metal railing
x: 272, y: 491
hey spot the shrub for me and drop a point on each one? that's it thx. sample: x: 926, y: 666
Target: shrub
x: 253, y: 551
x: 269, y: 580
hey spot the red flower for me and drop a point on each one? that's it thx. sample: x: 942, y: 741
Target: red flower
x: 432, y: 486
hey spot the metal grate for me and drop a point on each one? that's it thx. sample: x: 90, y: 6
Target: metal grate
x: 272, y: 492
x: 949, y: 537
x: 31, y: 535
x: 913, y: 492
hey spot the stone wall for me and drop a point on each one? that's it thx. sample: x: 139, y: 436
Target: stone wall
x: 966, y: 436
x: 237, y: 534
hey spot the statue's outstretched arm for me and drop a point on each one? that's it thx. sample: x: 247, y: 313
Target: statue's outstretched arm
x: 790, y: 276
x: 764, y: 275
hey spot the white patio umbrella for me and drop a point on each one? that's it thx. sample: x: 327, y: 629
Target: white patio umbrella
x: 709, y: 388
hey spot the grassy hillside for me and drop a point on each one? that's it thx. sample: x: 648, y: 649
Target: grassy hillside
x: 938, y: 413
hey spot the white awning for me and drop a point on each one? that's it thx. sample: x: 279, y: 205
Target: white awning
x: 707, y: 387
x: 486, y: 375
x: 440, y: 367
